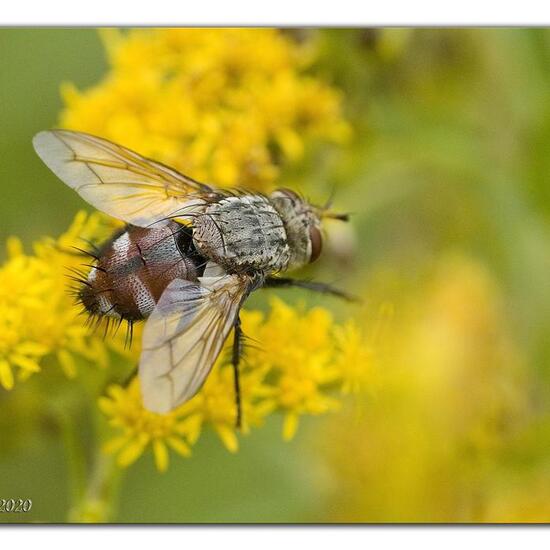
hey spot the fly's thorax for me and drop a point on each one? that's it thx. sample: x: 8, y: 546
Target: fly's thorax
x: 302, y: 225
x: 242, y: 233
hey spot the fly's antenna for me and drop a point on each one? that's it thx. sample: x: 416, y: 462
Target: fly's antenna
x: 328, y: 204
x: 326, y: 212
x: 343, y: 217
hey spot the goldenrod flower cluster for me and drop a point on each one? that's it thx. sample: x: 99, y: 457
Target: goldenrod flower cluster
x: 454, y: 384
x: 298, y: 361
x: 293, y: 368
x: 38, y: 317
x: 226, y: 106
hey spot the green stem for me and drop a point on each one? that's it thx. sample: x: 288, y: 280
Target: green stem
x: 98, y: 503
x: 76, y: 460
x: 93, y: 490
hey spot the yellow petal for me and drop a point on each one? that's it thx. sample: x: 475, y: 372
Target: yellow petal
x: 264, y: 408
x: 25, y: 363
x: 106, y: 405
x: 228, y: 437
x: 290, y: 425
x: 179, y: 446
x: 6, y: 376
x: 31, y: 348
x: 290, y: 143
x: 23, y: 375
x: 131, y: 453
x: 67, y: 362
x: 160, y: 453
x: 116, y: 392
x: 115, y: 444
x: 190, y: 428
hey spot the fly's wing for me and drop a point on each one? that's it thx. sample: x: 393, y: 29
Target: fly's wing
x: 118, y: 181
x: 184, y: 336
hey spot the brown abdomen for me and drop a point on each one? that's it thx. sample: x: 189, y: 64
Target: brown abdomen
x: 135, y: 268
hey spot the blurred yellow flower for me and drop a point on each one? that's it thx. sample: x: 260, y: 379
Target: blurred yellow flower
x: 227, y: 106
x: 454, y: 396
x: 354, y: 358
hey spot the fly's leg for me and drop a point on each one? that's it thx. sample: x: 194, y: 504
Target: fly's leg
x: 235, y: 360
x: 284, y: 282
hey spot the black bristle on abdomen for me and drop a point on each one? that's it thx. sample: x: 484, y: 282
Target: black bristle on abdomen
x: 84, y: 293
x: 108, y: 290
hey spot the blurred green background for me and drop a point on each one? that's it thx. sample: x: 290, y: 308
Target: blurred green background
x: 448, y: 177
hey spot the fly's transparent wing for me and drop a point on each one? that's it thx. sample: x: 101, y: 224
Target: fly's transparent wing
x: 184, y: 336
x: 118, y: 181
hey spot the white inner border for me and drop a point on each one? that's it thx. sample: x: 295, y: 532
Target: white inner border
x: 281, y: 12
x: 275, y: 538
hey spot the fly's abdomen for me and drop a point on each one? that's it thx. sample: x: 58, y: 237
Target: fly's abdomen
x: 242, y: 233
x: 136, y: 267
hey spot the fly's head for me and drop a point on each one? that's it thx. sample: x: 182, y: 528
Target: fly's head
x: 302, y: 222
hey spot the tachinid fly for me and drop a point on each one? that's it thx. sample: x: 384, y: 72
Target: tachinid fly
x: 187, y: 260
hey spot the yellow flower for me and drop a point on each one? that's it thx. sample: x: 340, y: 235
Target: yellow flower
x: 37, y: 316
x: 228, y: 106
x: 454, y: 397
x: 215, y: 404
x: 16, y: 351
x: 142, y: 428
x: 181, y: 428
x: 292, y: 368
x: 354, y: 357
x: 22, y: 287
x: 66, y: 332
x: 299, y: 349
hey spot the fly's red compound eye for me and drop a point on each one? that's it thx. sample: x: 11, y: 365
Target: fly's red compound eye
x: 316, y: 243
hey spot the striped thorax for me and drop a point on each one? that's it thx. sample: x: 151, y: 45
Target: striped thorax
x: 243, y: 233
